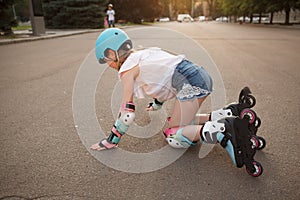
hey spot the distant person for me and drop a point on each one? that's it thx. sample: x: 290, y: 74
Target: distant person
x: 111, y: 16
x: 105, y: 22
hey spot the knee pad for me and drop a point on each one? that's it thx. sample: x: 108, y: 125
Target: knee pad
x: 172, y: 131
x: 178, y: 140
x: 220, y: 114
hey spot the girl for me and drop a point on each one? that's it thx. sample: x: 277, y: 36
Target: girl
x: 110, y: 16
x: 161, y: 75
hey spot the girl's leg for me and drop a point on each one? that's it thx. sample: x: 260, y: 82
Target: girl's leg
x: 192, y: 107
x: 181, y: 134
x: 200, y: 119
x: 183, y: 114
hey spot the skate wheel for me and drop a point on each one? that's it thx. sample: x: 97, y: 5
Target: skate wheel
x: 249, y: 100
x: 257, y: 122
x: 255, y: 142
x: 262, y: 143
x: 250, y: 113
x: 258, y: 169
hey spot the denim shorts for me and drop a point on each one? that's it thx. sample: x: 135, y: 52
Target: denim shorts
x: 191, y: 81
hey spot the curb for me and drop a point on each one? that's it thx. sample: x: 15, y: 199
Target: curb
x: 49, y: 35
x: 52, y: 34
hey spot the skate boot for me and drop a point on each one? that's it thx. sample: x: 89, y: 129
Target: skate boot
x: 233, y: 134
x: 242, y: 109
x: 246, y: 101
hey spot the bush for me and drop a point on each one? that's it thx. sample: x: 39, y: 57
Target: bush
x: 74, y: 13
x: 6, y: 17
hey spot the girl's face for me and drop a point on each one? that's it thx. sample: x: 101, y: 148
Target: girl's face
x: 112, y: 60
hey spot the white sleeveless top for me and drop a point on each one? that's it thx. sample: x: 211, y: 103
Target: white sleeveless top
x: 156, y: 70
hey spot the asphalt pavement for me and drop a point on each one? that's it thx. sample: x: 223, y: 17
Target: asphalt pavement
x: 43, y: 155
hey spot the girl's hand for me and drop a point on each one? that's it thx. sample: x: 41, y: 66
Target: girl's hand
x: 149, y: 108
x: 155, y: 105
x: 103, y: 145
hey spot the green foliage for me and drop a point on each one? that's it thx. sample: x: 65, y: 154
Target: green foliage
x: 22, y: 10
x: 250, y: 7
x: 136, y: 10
x: 74, y: 13
x: 7, y: 17
x: 21, y: 28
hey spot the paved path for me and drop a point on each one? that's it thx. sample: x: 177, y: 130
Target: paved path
x: 42, y: 156
x: 26, y: 35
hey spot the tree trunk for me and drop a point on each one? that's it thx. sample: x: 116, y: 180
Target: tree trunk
x: 259, y: 20
x: 287, y: 14
x: 271, y: 17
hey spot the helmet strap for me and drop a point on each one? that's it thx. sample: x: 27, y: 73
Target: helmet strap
x: 118, y: 60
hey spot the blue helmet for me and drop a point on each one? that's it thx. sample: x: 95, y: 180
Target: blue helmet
x: 114, y: 39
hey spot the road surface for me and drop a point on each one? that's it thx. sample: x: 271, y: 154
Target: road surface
x: 43, y: 157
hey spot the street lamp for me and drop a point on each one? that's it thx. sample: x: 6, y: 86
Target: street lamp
x: 37, y: 17
x: 14, y: 11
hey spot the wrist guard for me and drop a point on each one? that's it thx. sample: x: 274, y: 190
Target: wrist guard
x: 156, y: 105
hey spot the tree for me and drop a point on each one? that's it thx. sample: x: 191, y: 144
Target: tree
x: 272, y: 7
x: 22, y: 10
x: 251, y: 7
x: 166, y: 8
x: 259, y: 7
x: 137, y: 10
x: 7, y: 19
x: 228, y: 7
x: 176, y: 7
x: 287, y: 6
x: 74, y: 13
x: 212, y: 6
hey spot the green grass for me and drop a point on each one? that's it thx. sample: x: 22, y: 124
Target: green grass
x: 21, y: 28
x: 7, y: 37
x: 17, y: 28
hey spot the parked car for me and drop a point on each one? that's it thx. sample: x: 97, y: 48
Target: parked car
x: 184, y: 18
x: 262, y: 20
x: 202, y: 18
x: 265, y: 19
x: 254, y: 19
x: 222, y: 19
x: 241, y: 19
x: 164, y: 19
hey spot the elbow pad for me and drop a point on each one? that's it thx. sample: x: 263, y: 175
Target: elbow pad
x: 125, y: 118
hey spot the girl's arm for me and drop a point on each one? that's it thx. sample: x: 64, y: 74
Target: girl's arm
x: 126, y: 114
x: 128, y: 79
